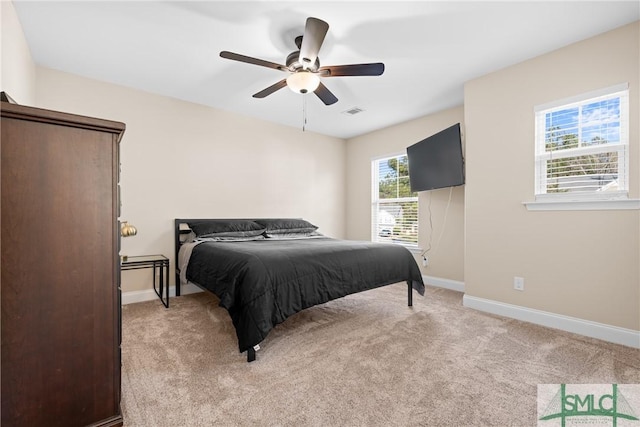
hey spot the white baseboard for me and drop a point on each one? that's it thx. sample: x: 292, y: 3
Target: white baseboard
x: 149, y: 294
x: 439, y: 282
x: 614, y: 334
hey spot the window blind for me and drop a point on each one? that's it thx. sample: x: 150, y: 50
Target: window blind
x: 581, y: 147
x: 394, y: 207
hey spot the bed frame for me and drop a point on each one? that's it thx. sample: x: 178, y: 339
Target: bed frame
x: 251, y: 353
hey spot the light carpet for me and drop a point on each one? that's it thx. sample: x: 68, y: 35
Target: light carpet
x: 363, y: 360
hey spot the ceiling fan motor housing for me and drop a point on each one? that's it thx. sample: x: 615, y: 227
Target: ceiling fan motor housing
x: 294, y: 65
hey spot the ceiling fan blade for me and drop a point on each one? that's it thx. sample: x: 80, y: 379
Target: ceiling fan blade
x: 374, y: 69
x: 268, y: 91
x: 250, y: 60
x: 314, y: 32
x: 325, y: 95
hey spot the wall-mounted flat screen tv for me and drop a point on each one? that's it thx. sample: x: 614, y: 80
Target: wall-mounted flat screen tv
x: 437, y: 161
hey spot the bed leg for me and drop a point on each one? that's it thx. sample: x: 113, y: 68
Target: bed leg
x: 410, y: 294
x: 251, y: 354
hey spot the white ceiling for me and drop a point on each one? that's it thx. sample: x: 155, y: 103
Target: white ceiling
x: 430, y: 48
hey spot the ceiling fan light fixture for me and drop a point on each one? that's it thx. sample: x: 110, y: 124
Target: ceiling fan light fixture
x: 303, y: 82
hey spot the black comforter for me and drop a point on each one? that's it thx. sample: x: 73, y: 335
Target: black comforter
x: 263, y: 282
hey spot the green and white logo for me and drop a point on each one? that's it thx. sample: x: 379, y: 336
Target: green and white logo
x: 588, y: 404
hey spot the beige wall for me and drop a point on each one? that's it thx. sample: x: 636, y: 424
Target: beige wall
x: 17, y: 73
x: 446, y: 260
x: 583, y: 264
x: 182, y: 160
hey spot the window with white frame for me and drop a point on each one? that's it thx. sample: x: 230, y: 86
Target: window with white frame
x: 394, y: 210
x: 582, y: 147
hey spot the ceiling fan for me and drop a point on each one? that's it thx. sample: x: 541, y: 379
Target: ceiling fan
x: 304, y: 67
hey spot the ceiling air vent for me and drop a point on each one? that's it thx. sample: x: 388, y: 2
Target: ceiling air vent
x: 353, y: 111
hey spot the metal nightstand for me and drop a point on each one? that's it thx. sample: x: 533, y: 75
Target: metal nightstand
x: 159, y: 262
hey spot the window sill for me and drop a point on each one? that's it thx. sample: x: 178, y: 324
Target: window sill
x: 583, y: 205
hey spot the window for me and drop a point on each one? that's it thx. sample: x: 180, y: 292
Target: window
x: 394, y: 207
x: 582, y: 147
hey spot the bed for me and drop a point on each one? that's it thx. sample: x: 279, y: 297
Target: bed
x: 265, y: 270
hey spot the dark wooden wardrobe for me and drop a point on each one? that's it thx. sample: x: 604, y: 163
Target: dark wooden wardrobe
x: 60, y: 279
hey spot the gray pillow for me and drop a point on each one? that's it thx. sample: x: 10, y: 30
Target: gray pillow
x: 226, y: 228
x: 230, y: 238
x: 297, y: 235
x: 286, y: 225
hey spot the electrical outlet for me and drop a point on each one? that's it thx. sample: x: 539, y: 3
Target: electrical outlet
x: 425, y: 261
x: 518, y: 283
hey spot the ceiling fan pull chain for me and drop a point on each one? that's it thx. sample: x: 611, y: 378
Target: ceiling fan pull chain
x: 304, y: 112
